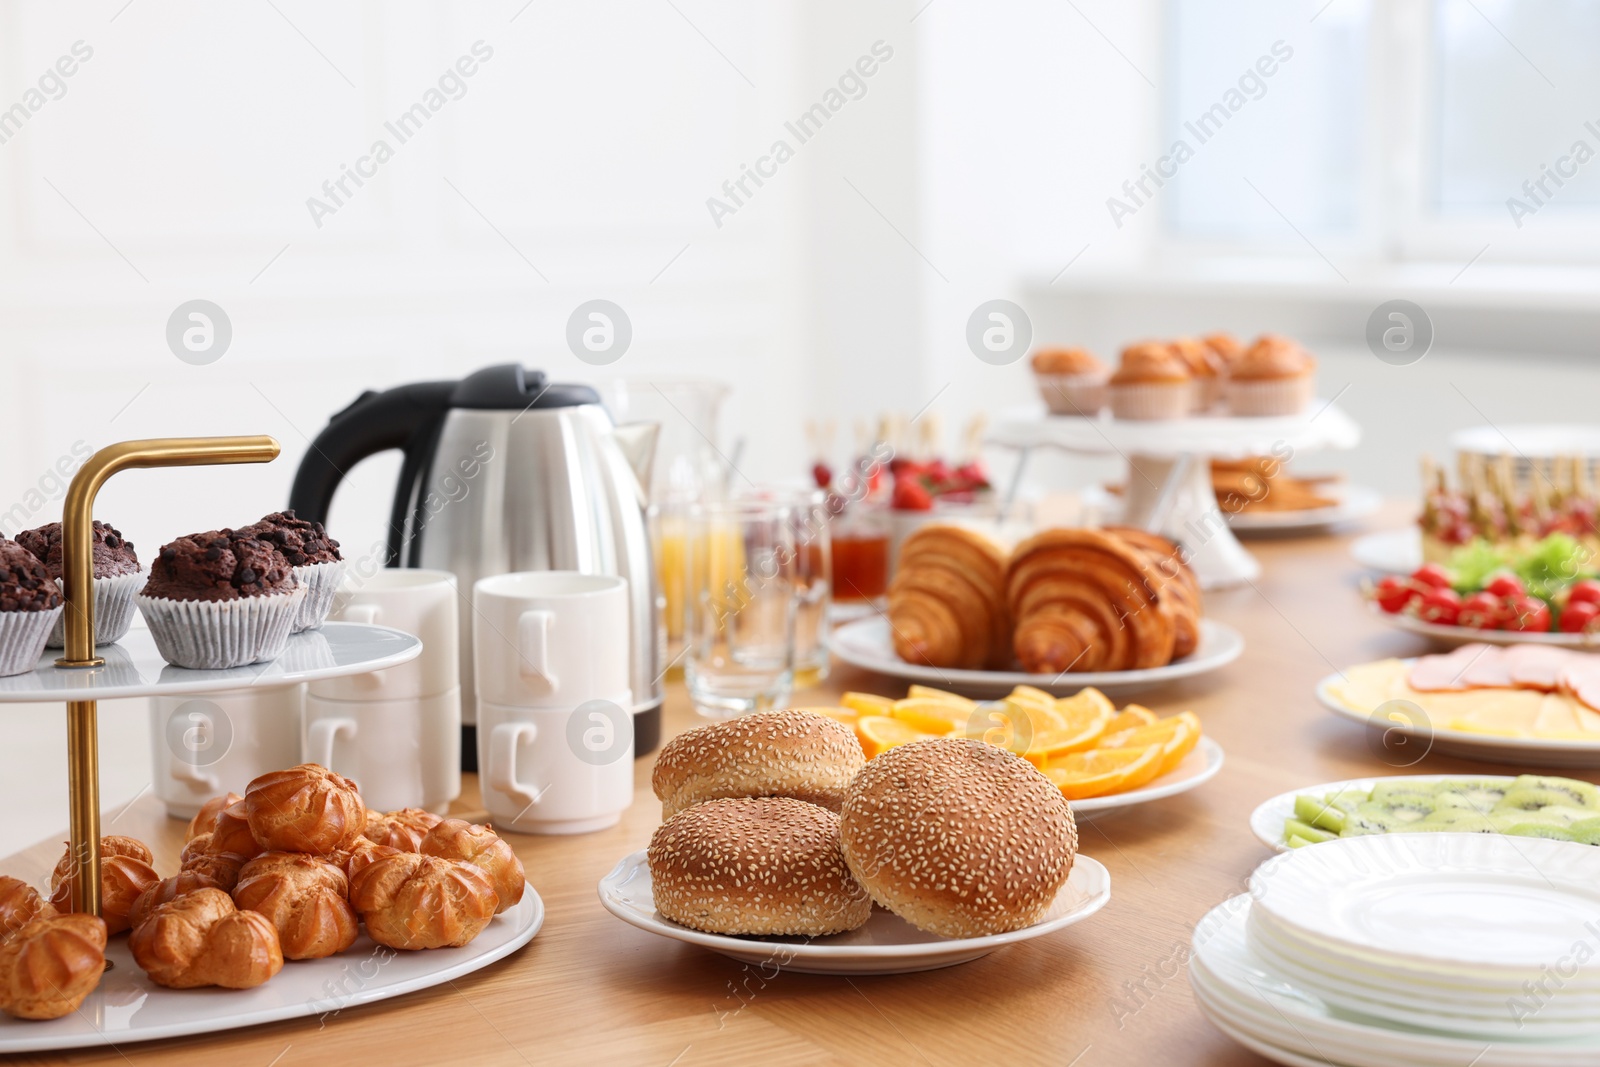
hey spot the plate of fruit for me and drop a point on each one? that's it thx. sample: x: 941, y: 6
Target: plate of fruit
x: 1100, y: 757
x: 1529, y: 805
x: 1548, y: 596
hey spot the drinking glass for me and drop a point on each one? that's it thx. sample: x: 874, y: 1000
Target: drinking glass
x: 813, y: 585
x: 741, y: 583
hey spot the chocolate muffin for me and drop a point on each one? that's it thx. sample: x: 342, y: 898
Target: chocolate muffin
x: 219, y: 565
x: 302, y: 543
x: 25, y: 584
x: 113, y: 553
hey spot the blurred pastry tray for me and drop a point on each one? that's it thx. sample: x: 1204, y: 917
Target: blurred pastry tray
x: 134, y: 667
x: 128, y: 1007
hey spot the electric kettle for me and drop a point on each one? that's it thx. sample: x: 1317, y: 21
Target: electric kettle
x: 507, y: 471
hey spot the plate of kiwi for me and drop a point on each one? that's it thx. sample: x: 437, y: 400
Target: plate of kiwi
x: 1529, y: 805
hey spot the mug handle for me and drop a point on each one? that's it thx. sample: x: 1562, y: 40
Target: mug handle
x: 533, y: 642
x: 366, y: 614
x: 320, y: 736
x: 503, y: 742
x: 192, y: 775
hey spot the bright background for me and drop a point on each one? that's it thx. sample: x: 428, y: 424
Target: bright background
x: 1374, y: 165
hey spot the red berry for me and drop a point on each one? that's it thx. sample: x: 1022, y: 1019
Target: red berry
x: 1528, y: 614
x: 1441, y: 606
x: 1506, y: 586
x: 911, y: 495
x: 1578, y: 618
x: 822, y: 475
x: 1586, y: 591
x: 1393, y: 594
x: 1481, y: 611
x: 1432, y: 574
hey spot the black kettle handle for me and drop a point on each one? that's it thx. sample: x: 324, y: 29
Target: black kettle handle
x: 404, y: 417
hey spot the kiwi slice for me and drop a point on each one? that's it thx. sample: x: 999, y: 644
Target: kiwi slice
x: 1298, y: 842
x: 1465, y: 792
x: 1370, y: 818
x: 1318, y: 813
x: 1586, y: 831
x: 1455, y: 821
x: 1397, y: 791
x: 1347, y: 799
x: 1529, y: 792
x: 1406, y: 807
x: 1539, y: 829
x: 1296, y: 828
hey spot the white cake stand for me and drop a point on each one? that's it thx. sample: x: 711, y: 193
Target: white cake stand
x: 1169, y: 469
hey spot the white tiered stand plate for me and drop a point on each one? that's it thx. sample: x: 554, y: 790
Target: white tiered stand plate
x: 129, y: 1007
x: 1188, y: 511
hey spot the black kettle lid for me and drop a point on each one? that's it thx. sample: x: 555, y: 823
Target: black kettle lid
x: 511, y: 387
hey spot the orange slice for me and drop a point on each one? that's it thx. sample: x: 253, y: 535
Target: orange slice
x: 1177, y: 734
x: 1130, y: 718
x: 1089, y: 698
x: 931, y: 716
x: 848, y: 716
x: 929, y: 693
x: 867, y: 703
x: 1103, y: 771
x: 1083, y: 729
x: 1027, y: 694
x: 879, y: 733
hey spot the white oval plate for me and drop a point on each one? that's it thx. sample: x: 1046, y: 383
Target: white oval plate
x: 1354, y: 502
x: 1389, y: 551
x: 1266, y: 822
x: 887, y: 944
x: 1435, y: 903
x: 1197, y: 768
x: 128, y: 1007
x: 1490, y: 748
x: 1451, y: 636
x: 865, y: 643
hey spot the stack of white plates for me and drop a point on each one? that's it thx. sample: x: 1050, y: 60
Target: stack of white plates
x: 1411, y: 949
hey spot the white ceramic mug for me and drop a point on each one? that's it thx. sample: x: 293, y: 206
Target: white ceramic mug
x: 207, y: 744
x: 402, y: 753
x: 550, y: 639
x: 420, y: 602
x: 556, y: 770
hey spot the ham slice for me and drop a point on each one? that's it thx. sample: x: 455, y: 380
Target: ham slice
x: 1583, y: 679
x: 1539, y: 667
x: 1437, y: 674
x: 1489, y: 670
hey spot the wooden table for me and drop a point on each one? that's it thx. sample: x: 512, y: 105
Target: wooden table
x: 1113, y: 990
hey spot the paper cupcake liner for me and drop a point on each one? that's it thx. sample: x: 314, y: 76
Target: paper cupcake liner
x: 1270, y: 396
x: 113, y: 610
x: 1207, y: 393
x: 1152, y: 400
x: 217, y: 634
x: 1073, y: 394
x: 22, y: 637
x: 321, y: 581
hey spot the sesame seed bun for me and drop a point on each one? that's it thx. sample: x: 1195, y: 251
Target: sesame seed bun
x: 755, y: 865
x: 796, y: 754
x: 958, y: 837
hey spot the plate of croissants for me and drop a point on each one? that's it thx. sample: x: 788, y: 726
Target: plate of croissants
x: 1116, y: 608
x: 294, y: 898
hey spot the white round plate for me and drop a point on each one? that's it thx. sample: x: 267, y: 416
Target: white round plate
x: 1541, y: 440
x: 1355, y: 502
x: 134, y: 666
x: 865, y: 643
x: 1322, y: 425
x: 1389, y: 551
x: 129, y: 1007
x: 1489, y: 748
x: 1198, y: 767
x: 1266, y: 822
x: 887, y: 944
x: 1245, y: 997
x: 1450, y: 636
x: 1478, y: 903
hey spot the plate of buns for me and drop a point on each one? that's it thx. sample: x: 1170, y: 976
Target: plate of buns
x: 783, y: 847
x: 290, y: 901
x: 1116, y: 608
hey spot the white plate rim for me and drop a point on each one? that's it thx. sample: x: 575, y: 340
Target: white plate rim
x: 1228, y: 645
x: 1096, y: 882
x: 1354, y: 502
x: 33, y: 1036
x: 1281, y: 806
x: 1466, y: 635
x: 1208, y: 749
x: 1379, y: 550
x: 1465, y: 738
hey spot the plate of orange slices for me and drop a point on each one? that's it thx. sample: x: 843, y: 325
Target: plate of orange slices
x: 1099, y: 756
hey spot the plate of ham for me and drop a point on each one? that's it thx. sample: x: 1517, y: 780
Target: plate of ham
x: 1527, y: 704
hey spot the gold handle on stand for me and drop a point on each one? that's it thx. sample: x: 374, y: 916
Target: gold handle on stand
x: 77, y: 547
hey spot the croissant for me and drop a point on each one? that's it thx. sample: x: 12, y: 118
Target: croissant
x: 184, y: 882
x: 20, y: 904
x: 206, y: 818
x: 1085, y: 600
x: 201, y: 939
x: 403, y: 829
x: 50, y: 965
x: 304, y: 809
x: 947, y: 604
x: 305, y: 898
x: 411, y: 901
x: 1177, y: 585
x: 457, y: 839
x: 125, y: 872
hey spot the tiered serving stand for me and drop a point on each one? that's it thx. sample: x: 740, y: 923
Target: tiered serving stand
x: 1169, y: 469
x: 127, y: 1006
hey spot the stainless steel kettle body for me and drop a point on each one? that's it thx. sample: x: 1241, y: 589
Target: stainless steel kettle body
x: 506, y: 472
